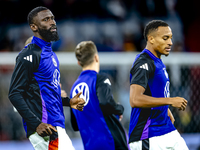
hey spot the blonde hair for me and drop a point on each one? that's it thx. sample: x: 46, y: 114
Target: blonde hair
x: 85, y: 52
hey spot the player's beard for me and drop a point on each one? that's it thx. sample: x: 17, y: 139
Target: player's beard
x: 166, y: 55
x: 48, y: 35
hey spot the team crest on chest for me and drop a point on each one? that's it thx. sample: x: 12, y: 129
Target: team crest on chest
x: 54, y: 61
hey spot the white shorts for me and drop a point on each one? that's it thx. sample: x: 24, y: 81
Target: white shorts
x: 169, y: 141
x: 63, y: 141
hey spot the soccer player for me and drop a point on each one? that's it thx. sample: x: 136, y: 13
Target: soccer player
x: 151, y: 125
x: 35, y: 90
x: 98, y: 123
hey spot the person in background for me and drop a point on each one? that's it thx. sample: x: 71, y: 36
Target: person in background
x: 35, y: 86
x: 151, y: 123
x: 28, y: 41
x: 99, y: 122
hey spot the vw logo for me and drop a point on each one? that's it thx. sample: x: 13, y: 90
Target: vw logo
x: 82, y: 87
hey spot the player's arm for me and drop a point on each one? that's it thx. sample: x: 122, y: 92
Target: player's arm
x: 105, y: 97
x: 19, y: 83
x: 73, y: 121
x: 139, y: 81
x: 139, y: 99
x: 76, y: 102
x: 66, y: 101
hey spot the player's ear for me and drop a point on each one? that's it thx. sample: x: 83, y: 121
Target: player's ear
x: 96, y: 58
x: 33, y: 27
x: 151, y: 39
x: 78, y: 63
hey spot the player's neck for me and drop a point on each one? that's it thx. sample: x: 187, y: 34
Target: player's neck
x: 152, y: 50
x: 93, y: 66
x: 39, y: 36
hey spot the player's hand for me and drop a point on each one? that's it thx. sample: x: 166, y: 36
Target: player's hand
x: 63, y: 92
x: 120, y: 117
x: 179, y: 103
x: 45, y: 129
x: 77, y: 103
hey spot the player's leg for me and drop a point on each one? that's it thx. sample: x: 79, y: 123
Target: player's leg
x: 57, y: 141
x: 38, y: 142
x: 180, y: 142
x: 171, y: 140
x: 64, y: 141
x: 136, y: 145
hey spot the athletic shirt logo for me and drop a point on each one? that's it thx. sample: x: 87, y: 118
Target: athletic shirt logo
x: 56, y: 78
x: 166, y: 92
x: 165, y: 72
x: 54, y: 61
x: 82, y: 87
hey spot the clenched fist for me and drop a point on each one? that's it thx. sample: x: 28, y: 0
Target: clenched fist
x: 179, y: 102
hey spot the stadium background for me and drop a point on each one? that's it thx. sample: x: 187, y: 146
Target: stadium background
x: 116, y: 27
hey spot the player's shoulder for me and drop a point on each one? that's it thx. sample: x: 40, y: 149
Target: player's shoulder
x: 29, y: 54
x: 145, y: 62
x: 144, y: 57
x: 31, y: 49
x: 103, y: 78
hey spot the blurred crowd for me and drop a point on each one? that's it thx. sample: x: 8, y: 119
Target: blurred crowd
x: 114, y: 26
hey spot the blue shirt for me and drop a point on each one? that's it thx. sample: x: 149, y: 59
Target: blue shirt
x: 34, y: 90
x: 150, y: 72
x: 48, y: 79
x: 99, y: 127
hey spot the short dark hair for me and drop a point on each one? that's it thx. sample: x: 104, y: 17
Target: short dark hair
x: 85, y: 52
x: 152, y: 26
x: 34, y: 13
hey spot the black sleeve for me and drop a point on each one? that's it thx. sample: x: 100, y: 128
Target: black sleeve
x: 73, y: 121
x: 66, y: 101
x: 142, y: 70
x: 18, y: 86
x: 105, y: 97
